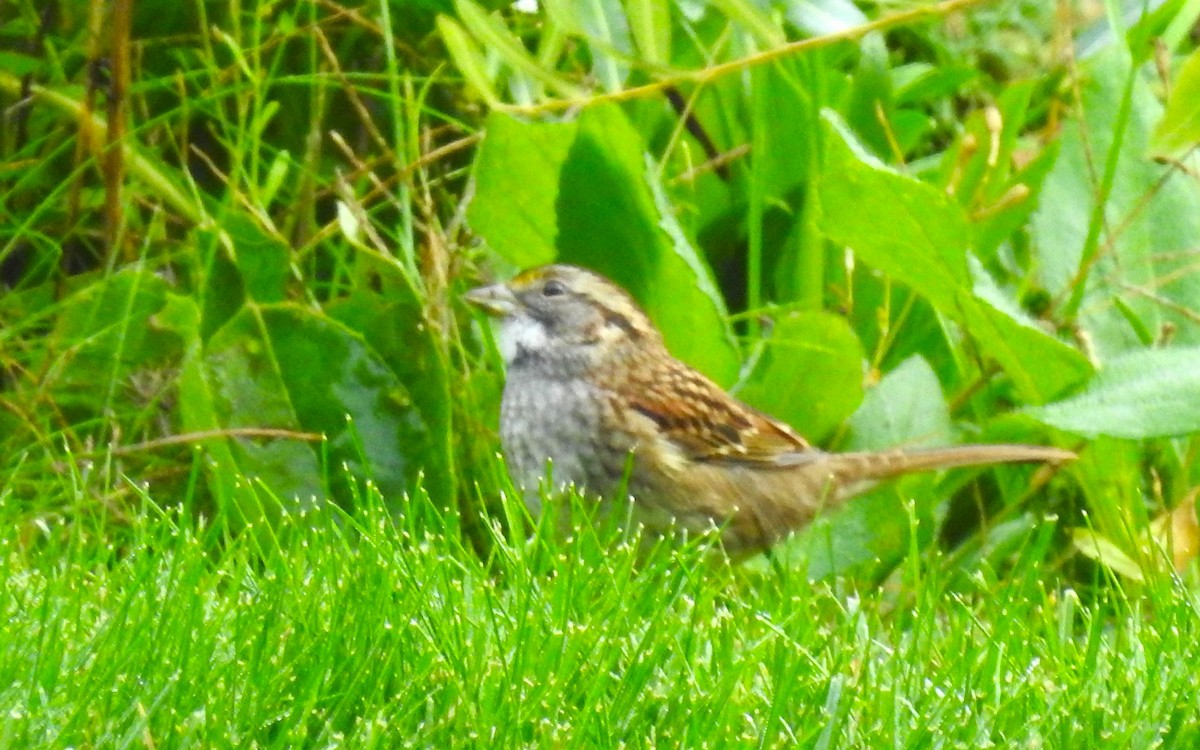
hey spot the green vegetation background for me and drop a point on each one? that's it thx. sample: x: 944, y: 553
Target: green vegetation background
x: 248, y: 483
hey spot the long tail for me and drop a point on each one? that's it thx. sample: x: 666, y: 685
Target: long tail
x: 866, y: 466
x: 811, y: 480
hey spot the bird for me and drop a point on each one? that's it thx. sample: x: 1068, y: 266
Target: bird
x: 593, y: 399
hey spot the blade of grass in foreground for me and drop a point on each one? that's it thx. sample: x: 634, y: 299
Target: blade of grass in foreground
x: 362, y: 629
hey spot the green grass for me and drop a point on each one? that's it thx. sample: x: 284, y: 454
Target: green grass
x: 357, y: 630
x: 305, y: 193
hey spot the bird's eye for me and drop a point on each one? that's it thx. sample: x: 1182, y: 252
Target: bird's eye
x: 553, y: 288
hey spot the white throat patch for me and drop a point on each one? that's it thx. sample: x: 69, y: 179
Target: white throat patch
x: 520, y: 333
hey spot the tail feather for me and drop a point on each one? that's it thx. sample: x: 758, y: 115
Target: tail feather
x: 775, y: 504
x: 850, y: 474
x: 853, y: 467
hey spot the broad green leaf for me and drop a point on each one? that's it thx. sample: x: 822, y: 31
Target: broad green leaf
x: 1015, y: 337
x: 222, y: 289
x: 109, y: 318
x: 340, y: 387
x: 1151, y: 220
x: 810, y: 375
x: 1178, y: 132
x: 263, y: 261
x: 911, y: 326
x: 393, y: 323
x: 102, y: 334
x: 906, y: 409
x: 614, y: 217
x: 286, y: 367
x: 910, y: 128
x: 245, y: 388
x: 919, y: 236
x: 584, y: 193
x: 778, y: 224
x: 197, y: 414
x: 788, y: 136
x: 517, y: 173
x: 868, y: 536
x: 913, y: 232
x: 1143, y: 394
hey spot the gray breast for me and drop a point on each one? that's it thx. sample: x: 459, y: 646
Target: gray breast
x: 560, y: 423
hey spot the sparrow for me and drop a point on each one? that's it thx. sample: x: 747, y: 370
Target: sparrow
x: 593, y: 398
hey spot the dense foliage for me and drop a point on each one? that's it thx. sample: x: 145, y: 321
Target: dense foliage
x: 234, y: 236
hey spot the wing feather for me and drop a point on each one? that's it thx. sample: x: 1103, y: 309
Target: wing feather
x: 707, y: 424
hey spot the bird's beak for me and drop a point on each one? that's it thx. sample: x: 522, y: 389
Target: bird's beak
x: 496, y: 300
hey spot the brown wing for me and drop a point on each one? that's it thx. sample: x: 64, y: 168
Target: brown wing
x: 706, y: 423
